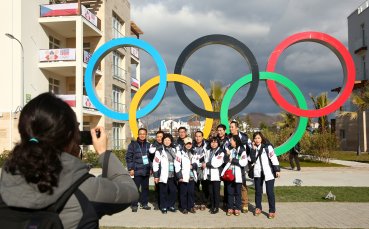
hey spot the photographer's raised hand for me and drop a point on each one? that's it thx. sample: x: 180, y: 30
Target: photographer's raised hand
x: 100, y: 144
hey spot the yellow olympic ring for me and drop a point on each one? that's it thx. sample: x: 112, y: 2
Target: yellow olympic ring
x: 171, y: 78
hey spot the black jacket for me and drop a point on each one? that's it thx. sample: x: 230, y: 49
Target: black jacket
x: 136, y: 150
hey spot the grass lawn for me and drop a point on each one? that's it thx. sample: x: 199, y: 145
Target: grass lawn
x: 310, y: 163
x: 350, y: 156
x: 305, y: 194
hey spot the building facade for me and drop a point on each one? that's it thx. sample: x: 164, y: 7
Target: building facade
x: 351, y: 132
x: 48, y: 47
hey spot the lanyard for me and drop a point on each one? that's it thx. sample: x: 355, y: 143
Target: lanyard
x: 141, y: 149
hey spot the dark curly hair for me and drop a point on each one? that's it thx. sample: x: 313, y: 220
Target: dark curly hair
x: 53, y: 127
x: 237, y: 139
x: 167, y: 135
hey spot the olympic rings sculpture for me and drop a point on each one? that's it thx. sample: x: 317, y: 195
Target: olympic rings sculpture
x: 326, y: 40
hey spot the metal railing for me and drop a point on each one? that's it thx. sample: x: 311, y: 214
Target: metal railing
x: 119, y: 73
x: 119, y: 143
x: 69, y: 9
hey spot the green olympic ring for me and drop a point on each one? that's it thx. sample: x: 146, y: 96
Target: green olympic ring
x: 288, y: 84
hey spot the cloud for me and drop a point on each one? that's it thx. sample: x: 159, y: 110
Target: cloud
x: 171, y: 25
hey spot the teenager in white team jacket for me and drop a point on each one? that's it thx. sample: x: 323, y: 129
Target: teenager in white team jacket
x: 237, y: 160
x: 212, y: 173
x: 164, y: 174
x: 186, y: 166
x: 266, y: 168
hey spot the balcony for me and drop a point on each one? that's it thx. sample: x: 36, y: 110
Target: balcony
x: 61, y: 17
x: 120, y: 74
x: 134, y: 52
x: 71, y: 101
x: 118, y: 143
x: 119, y: 107
x: 62, y: 61
x: 360, y: 46
x: 135, y: 83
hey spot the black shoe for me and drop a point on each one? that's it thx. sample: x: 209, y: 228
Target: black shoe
x: 145, y: 207
x: 172, y: 209
x: 214, y: 211
x: 134, y: 209
x: 184, y: 211
x: 164, y: 211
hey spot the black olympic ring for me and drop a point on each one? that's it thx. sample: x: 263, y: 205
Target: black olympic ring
x: 222, y: 40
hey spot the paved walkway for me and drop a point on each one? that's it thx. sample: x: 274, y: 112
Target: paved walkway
x: 356, y: 175
x: 307, y: 215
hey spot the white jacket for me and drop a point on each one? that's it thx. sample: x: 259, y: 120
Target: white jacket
x: 215, y: 161
x: 161, y: 163
x: 241, y: 161
x: 263, y: 161
x: 183, y: 164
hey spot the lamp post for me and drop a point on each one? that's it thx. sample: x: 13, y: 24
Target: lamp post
x: 22, y: 69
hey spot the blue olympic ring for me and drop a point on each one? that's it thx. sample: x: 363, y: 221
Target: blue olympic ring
x: 101, y: 52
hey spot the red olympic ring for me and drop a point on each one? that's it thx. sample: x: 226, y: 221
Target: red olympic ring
x: 343, y: 55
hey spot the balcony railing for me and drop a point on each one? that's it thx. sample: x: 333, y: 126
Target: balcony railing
x: 71, y: 101
x: 67, y: 54
x: 360, y: 45
x: 118, y: 143
x: 117, y: 34
x: 135, y: 82
x: 119, y: 73
x: 134, y: 52
x: 119, y: 107
x: 69, y: 9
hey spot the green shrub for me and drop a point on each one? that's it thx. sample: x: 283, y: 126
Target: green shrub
x: 121, y: 154
x: 91, y: 157
x: 322, y: 145
x: 3, y: 157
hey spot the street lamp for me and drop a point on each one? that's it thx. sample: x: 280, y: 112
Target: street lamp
x: 22, y: 69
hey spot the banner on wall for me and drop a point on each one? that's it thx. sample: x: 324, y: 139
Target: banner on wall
x: 88, y: 15
x: 57, y: 54
x: 135, y: 83
x: 59, y: 10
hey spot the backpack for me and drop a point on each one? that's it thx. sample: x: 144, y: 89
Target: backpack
x: 23, y: 218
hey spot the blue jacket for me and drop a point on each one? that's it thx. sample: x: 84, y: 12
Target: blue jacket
x: 137, y: 150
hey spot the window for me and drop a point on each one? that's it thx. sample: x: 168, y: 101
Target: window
x: 117, y: 61
x: 342, y: 134
x: 363, y: 33
x: 117, y: 135
x: 87, y: 47
x: 54, y: 86
x: 117, y: 26
x: 363, y: 66
x: 117, y: 100
x: 54, y: 43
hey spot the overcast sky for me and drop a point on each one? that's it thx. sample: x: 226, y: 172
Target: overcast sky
x: 170, y: 25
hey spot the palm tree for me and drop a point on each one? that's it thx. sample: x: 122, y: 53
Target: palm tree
x: 288, y: 121
x: 216, y: 94
x: 320, y: 102
x: 360, y: 99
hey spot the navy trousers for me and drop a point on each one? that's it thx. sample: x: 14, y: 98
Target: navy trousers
x: 187, y: 194
x: 259, y: 192
x: 214, y: 192
x: 143, y: 182
x: 168, y: 193
x: 234, y: 195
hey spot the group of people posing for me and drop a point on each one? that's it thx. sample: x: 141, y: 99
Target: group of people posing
x: 195, y: 169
